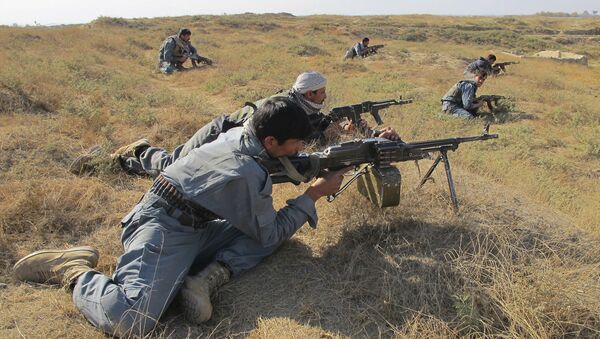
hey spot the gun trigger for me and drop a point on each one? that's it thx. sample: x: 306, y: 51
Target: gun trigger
x: 355, y: 176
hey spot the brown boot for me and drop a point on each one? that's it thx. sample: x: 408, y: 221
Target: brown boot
x: 129, y: 151
x: 56, y: 266
x: 197, y: 289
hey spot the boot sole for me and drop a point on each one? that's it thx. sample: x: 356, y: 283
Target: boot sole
x: 89, y: 249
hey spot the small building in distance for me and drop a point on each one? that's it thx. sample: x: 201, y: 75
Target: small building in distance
x: 563, y: 57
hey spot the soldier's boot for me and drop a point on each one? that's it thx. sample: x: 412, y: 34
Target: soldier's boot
x: 132, y: 150
x: 86, y: 163
x: 197, y: 289
x: 59, y: 267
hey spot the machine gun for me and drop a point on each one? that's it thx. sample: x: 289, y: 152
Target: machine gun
x: 372, y: 50
x: 501, y: 66
x: 489, y: 99
x: 378, y: 179
x: 353, y: 112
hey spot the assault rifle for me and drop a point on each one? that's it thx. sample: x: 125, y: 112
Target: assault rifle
x: 489, y: 99
x: 353, y: 112
x: 372, y: 50
x: 501, y: 66
x: 378, y: 179
x: 195, y: 58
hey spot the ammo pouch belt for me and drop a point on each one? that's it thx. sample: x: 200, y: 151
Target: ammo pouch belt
x: 177, y: 207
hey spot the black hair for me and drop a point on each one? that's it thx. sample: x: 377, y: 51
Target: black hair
x: 184, y: 31
x: 491, y: 57
x: 282, y: 119
x: 365, y: 39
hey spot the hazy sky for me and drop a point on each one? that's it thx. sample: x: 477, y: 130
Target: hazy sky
x: 47, y: 12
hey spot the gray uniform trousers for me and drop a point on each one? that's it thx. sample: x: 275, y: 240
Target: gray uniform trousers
x: 457, y: 111
x: 158, y: 253
x: 154, y: 160
x: 167, y: 67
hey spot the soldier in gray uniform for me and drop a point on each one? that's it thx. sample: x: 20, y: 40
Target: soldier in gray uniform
x: 360, y: 49
x: 461, y: 100
x: 481, y: 65
x: 309, y: 92
x: 175, y: 51
x: 212, y: 206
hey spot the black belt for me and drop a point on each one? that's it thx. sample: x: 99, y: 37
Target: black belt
x: 176, y: 206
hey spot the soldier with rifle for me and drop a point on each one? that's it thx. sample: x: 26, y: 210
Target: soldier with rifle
x: 362, y: 49
x: 489, y: 65
x: 481, y: 65
x: 175, y: 51
x: 461, y: 100
x: 309, y: 92
x: 210, y: 214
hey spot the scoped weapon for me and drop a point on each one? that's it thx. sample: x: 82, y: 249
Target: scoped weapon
x: 372, y: 50
x: 378, y: 179
x: 489, y: 99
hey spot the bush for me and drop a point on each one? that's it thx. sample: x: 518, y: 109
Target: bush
x: 414, y: 36
x: 307, y: 50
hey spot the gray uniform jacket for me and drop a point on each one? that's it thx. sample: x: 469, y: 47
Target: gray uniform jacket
x: 359, y: 48
x: 462, y: 94
x: 481, y: 64
x: 225, y: 177
x: 169, y: 50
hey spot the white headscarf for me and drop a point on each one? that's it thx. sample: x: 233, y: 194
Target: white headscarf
x: 309, y: 81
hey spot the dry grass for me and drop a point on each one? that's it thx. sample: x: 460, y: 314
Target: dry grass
x: 520, y: 260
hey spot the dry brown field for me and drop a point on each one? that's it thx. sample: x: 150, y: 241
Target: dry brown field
x: 520, y: 260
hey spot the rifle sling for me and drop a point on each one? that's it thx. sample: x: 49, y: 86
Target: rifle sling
x: 293, y: 173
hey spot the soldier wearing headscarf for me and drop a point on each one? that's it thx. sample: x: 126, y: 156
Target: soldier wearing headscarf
x: 308, y: 92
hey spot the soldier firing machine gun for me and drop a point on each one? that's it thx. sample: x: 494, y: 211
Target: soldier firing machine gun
x: 378, y: 179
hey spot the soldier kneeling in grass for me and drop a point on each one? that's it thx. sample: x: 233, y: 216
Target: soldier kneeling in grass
x: 175, y: 51
x: 461, y: 100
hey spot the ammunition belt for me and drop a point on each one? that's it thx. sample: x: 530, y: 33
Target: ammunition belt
x: 176, y: 206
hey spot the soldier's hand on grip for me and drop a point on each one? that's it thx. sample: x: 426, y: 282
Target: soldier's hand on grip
x: 328, y: 184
